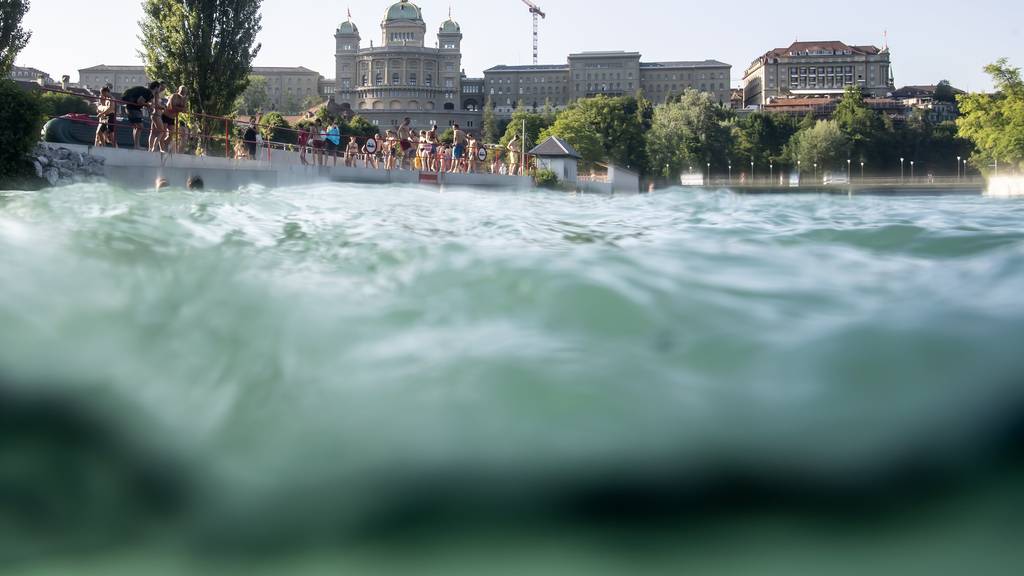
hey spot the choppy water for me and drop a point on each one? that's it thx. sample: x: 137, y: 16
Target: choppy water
x: 331, y: 366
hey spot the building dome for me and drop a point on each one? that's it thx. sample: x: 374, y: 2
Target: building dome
x: 450, y: 27
x: 404, y: 11
x: 347, y: 27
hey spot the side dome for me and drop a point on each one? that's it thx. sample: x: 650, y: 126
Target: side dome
x: 347, y: 27
x: 404, y: 10
x: 450, y: 27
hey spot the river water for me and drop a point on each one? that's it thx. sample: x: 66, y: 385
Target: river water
x: 369, y: 377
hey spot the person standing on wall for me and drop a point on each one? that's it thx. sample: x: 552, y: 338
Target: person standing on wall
x: 249, y: 137
x: 106, y: 110
x: 137, y: 98
x: 334, y: 140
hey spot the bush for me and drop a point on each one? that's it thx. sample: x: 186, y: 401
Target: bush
x: 275, y: 128
x: 54, y: 104
x: 21, y: 119
x: 546, y: 179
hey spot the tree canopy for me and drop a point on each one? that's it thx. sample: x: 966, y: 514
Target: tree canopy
x: 603, y: 128
x: 255, y: 98
x: 825, y: 145
x: 13, y: 38
x: 994, y: 123
x: 862, y: 126
x: 206, y: 45
x: 535, y: 124
x: 688, y: 132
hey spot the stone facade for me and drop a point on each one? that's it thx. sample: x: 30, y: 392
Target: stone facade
x: 807, y: 69
x: 590, y: 74
x: 403, y: 77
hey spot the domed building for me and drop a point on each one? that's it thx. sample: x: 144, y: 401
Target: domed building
x: 401, y: 76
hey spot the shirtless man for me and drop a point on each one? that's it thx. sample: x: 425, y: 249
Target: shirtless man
x: 471, y: 154
x: 175, y: 105
x: 459, y: 142
x: 156, y: 125
x: 106, y: 110
x: 513, y: 155
x: 405, y: 141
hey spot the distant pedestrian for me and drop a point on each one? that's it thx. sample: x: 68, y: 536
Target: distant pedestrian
x: 137, y: 98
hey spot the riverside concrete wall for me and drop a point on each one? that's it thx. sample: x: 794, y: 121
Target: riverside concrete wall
x: 137, y: 169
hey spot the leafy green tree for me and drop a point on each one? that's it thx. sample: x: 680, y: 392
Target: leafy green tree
x: 861, y: 125
x: 535, y: 124
x: 359, y: 126
x: 447, y: 137
x: 761, y: 137
x: 824, y: 145
x: 603, y: 128
x: 689, y: 132
x: 13, y: 38
x: 994, y: 123
x: 944, y: 92
x: 275, y: 128
x: 255, y: 98
x: 206, y: 45
x: 490, y: 127
x: 53, y: 104
x: 21, y: 118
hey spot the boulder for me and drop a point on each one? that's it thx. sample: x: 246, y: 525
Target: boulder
x: 52, y: 176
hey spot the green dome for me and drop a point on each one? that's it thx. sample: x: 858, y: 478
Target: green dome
x: 404, y: 10
x: 450, y: 27
x: 347, y: 27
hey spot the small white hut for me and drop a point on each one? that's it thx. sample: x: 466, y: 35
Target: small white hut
x: 558, y: 156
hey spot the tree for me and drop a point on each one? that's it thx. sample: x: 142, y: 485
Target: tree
x: 54, y: 104
x: 944, y: 92
x: 13, y: 38
x: 255, y: 98
x: 535, y: 124
x: 761, y: 137
x: 689, y: 132
x: 275, y: 128
x: 206, y: 45
x: 604, y: 129
x: 21, y: 118
x: 861, y: 125
x: 361, y: 127
x: 490, y: 127
x: 994, y: 123
x: 824, y: 145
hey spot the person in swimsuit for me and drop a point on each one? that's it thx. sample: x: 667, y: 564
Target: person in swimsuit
x: 156, y: 127
x: 351, y: 152
x: 513, y: 155
x: 432, y: 148
x: 106, y: 109
x: 458, y: 149
x: 472, y: 149
x: 175, y: 105
x: 405, y: 141
x: 303, y: 142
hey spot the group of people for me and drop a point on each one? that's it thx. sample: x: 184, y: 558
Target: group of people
x: 165, y: 133
x: 407, y: 149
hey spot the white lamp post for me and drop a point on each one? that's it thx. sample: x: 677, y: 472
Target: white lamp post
x: 901, y: 170
x: 958, y: 168
x: 911, y: 170
x: 848, y: 175
x: 861, y: 170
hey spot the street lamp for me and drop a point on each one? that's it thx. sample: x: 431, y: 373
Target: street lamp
x: 965, y: 168
x: 771, y: 172
x: 709, y: 172
x: 901, y: 170
x: 958, y: 168
x: 848, y: 176
x: 730, y: 172
x: 911, y: 170
x: 751, y: 171
x: 815, y: 172
x: 799, y: 174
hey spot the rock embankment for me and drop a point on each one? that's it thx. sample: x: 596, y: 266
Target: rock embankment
x: 60, y: 166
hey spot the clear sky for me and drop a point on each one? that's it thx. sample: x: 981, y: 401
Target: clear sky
x: 929, y: 40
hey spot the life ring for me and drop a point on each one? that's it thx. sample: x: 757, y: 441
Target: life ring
x: 371, y: 146
x: 481, y: 154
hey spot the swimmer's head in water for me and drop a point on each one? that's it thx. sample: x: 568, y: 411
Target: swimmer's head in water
x: 162, y: 183
x: 194, y: 183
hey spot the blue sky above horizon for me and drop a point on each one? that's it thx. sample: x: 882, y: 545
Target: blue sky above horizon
x: 929, y: 42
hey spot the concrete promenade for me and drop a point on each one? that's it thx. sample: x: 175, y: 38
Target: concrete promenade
x: 139, y: 169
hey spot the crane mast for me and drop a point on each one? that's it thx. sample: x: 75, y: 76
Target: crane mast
x: 537, y: 14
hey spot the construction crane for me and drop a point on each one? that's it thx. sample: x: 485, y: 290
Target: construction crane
x: 536, y: 11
